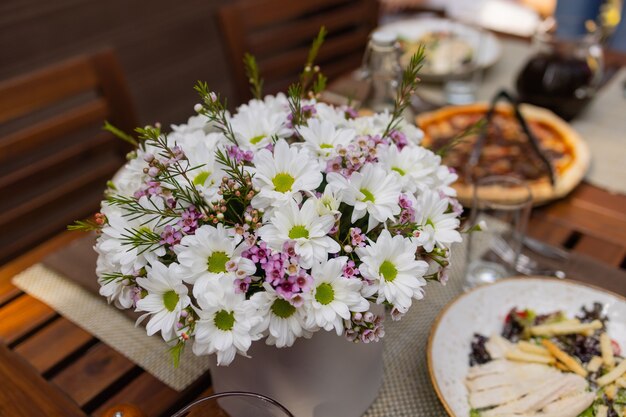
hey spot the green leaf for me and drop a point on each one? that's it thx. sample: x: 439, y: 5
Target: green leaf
x: 84, y: 226
x: 474, y: 413
x: 176, y: 352
x: 120, y: 134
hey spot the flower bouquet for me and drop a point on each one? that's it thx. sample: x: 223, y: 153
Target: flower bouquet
x: 285, y: 218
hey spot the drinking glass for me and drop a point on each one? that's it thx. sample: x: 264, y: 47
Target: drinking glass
x: 236, y: 404
x: 464, y: 77
x: 500, y: 208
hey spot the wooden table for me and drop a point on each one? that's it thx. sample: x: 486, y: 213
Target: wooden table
x: 49, y: 366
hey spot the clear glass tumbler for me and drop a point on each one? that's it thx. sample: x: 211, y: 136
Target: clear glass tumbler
x: 234, y: 404
x: 500, y: 209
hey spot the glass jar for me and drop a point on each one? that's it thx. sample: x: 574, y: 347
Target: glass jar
x: 563, y: 75
x: 381, y: 70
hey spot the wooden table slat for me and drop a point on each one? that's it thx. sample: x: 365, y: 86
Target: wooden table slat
x: 52, y: 344
x: 548, y: 231
x: 606, y: 252
x: 145, y: 392
x: 21, y: 316
x: 25, y: 393
x: 92, y: 373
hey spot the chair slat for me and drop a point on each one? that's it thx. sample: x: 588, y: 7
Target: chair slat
x: 8, y: 291
x: 22, y: 237
x: 38, y: 134
x: 92, y: 373
x: 605, y: 252
x: 303, y: 31
x: 21, y: 316
x: 89, y: 173
x: 52, y: 344
x: 259, y: 13
x: 49, y: 165
x: 292, y: 61
x: 22, y: 95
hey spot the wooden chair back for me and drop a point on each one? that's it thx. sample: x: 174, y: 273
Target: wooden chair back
x: 55, y: 158
x: 279, y: 33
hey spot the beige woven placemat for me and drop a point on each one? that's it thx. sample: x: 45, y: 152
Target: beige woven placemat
x: 110, y: 325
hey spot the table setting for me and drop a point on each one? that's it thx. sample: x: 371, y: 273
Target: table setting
x: 421, y: 237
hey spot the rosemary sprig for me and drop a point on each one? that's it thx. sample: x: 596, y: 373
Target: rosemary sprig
x: 252, y: 72
x: 294, y: 97
x: 142, y: 237
x: 215, y: 110
x: 85, y: 226
x: 308, y: 75
x: 406, y: 89
x: 120, y: 134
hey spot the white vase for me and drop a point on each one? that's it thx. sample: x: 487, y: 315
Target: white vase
x: 325, y: 376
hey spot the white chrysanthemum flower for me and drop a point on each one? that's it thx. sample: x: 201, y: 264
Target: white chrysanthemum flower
x: 371, y: 190
x: 444, y: 177
x: 391, y: 264
x: 329, y: 202
x: 415, y: 165
x: 130, y: 177
x: 195, y: 123
x: 113, y: 243
x: 116, y: 289
x: 330, y: 113
x: 210, y: 253
x: 322, y: 138
x: 166, y: 298
x: 333, y: 296
x: 226, y: 322
x: 282, y: 175
x: 255, y: 125
x: 281, y: 319
x: 274, y: 104
x: 205, y: 172
x: 439, y: 227
x: 305, y: 227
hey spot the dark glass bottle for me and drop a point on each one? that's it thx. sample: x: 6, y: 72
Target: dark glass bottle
x: 563, y: 75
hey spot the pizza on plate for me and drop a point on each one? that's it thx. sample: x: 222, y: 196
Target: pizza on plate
x: 507, y: 150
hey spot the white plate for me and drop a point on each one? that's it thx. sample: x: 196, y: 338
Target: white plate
x: 483, y: 311
x: 489, y: 50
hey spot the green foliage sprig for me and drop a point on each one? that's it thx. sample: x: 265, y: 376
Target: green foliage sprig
x: 215, y: 110
x: 406, y: 89
x: 252, y: 72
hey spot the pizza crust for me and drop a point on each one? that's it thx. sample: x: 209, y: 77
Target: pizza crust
x: 542, y: 191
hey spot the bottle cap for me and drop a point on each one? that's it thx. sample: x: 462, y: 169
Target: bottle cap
x: 383, y: 38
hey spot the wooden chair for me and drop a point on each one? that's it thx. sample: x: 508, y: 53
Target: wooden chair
x: 55, y: 158
x: 279, y: 32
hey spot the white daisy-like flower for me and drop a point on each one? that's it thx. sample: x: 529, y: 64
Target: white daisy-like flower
x: 255, y: 125
x: 438, y: 226
x: 330, y: 113
x: 226, y: 322
x: 329, y: 201
x: 116, y: 289
x: 282, y: 175
x: 444, y: 178
x: 166, y: 298
x: 333, y: 296
x: 305, y: 227
x: 209, y: 254
x: 113, y: 243
x: 205, y: 172
x: 391, y: 264
x: 130, y: 177
x: 371, y: 191
x: 283, y: 322
x: 415, y: 165
x: 322, y: 138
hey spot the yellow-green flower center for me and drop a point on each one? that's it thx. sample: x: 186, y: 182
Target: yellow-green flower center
x: 326, y: 146
x: 170, y: 300
x: 282, y: 308
x: 368, y: 196
x: 297, y: 232
x: 388, y: 270
x: 201, y: 178
x: 399, y: 171
x: 325, y: 293
x: 257, y: 139
x: 217, y: 262
x: 224, y: 320
x: 283, y: 182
